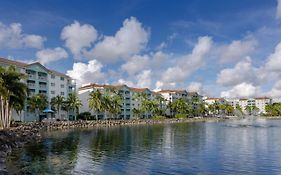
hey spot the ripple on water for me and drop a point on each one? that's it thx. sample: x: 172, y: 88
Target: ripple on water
x: 201, y: 148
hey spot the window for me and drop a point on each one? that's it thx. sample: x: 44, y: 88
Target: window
x: 62, y: 85
x: 53, y: 76
x: 61, y: 93
x: 62, y: 78
x: 53, y: 92
x: 53, y: 84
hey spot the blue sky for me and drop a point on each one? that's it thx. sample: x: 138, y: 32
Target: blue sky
x: 219, y: 48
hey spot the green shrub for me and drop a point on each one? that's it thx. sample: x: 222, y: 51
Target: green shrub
x: 181, y: 115
x: 158, y: 117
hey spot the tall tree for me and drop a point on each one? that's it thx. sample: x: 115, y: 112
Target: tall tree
x: 73, y: 103
x: 57, y: 103
x: 12, y: 94
x: 37, y: 104
x: 96, y: 101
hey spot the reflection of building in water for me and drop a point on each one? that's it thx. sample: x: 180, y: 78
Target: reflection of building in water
x: 168, y: 141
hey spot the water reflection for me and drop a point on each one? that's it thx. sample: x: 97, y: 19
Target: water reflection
x: 195, y: 148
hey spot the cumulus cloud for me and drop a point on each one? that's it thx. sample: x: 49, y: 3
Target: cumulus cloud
x: 278, y: 9
x: 47, y: 56
x: 78, y: 37
x: 274, y: 60
x: 11, y: 36
x: 243, y: 71
x: 195, y: 87
x: 243, y: 90
x: 189, y: 63
x: 136, y: 64
x: 237, y: 50
x: 275, y: 92
x: 130, y: 39
x: 144, y: 79
x: 87, y: 73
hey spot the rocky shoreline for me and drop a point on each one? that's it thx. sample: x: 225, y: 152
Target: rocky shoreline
x: 16, y: 137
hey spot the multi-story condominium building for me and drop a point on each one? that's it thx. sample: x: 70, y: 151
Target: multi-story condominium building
x: 172, y: 95
x: 259, y: 102
x: 41, y: 80
x: 213, y: 100
x: 129, y: 96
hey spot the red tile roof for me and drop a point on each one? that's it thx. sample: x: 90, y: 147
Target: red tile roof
x: 169, y: 90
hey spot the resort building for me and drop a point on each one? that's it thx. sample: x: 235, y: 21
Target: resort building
x: 214, y: 100
x: 129, y: 96
x: 41, y: 80
x: 172, y: 95
x: 259, y: 102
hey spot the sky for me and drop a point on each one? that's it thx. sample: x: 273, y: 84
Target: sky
x: 218, y: 48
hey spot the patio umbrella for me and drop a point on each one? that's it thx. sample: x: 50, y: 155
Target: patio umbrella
x: 48, y: 111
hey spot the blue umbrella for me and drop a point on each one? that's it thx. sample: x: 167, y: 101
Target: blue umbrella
x: 48, y: 110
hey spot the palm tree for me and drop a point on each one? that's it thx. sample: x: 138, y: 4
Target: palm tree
x: 12, y: 94
x: 37, y: 103
x: 73, y: 103
x: 180, y: 106
x: 116, y: 104
x: 57, y: 103
x: 95, y: 101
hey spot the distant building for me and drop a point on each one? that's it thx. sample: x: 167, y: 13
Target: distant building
x: 41, y: 80
x: 129, y: 96
x: 213, y: 100
x: 259, y: 102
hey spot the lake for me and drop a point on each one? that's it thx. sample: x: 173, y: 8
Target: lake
x: 232, y: 147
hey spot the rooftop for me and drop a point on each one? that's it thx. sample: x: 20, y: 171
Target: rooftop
x: 8, y: 62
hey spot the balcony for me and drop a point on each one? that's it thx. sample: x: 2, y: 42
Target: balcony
x: 42, y: 76
x: 31, y: 84
x: 42, y: 85
x: 43, y: 92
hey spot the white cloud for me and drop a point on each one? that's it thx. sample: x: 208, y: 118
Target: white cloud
x: 47, y: 56
x: 195, y: 87
x: 274, y: 60
x: 129, y: 40
x: 78, y: 37
x: 128, y: 83
x: 278, y: 9
x: 242, y: 72
x: 243, y: 90
x: 87, y: 73
x: 144, y: 79
x: 276, y: 90
x: 12, y: 37
x: 136, y: 64
x: 161, y: 46
x: 188, y: 63
x: 237, y: 49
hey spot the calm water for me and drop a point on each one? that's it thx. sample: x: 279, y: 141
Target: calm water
x: 195, y: 148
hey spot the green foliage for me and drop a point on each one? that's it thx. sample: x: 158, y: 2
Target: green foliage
x: 158, y: 117
x: 251, y: 109
x: 12, y: 94
x: 73, y: 103
x: 181, y: 115
x: 273, y: 109
x: 37, y: 103
x: 57, y: 103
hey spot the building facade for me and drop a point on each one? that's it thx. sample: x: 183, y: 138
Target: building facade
x: 129, y: 95
x: 41, y: 80
x: 259, y: 102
